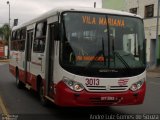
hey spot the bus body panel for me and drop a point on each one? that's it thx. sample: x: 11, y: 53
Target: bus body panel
x: 86, y: 98
x: 18, y: 60
x: 95, y: 84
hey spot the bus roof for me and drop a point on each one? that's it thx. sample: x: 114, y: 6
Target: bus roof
x: 80, y: 9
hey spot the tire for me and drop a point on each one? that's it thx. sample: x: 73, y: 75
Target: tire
x: 19, y: 84
x: 43, y: 100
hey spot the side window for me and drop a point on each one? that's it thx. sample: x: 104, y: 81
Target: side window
x: 40, y: 37
x: 13, y: 35
x: 22, y: 39
x: 18, y: 40
x: 13, y: 38
x: 18, y: 35
x: 23, y: 34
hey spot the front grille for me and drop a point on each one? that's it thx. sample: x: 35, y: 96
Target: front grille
x: 98, y: 88
x: 120, y: 88
x: 107, y: 88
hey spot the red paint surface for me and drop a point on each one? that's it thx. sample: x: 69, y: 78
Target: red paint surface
x: 22, y: 75
x: 31, y: 79
x: 66, y: 97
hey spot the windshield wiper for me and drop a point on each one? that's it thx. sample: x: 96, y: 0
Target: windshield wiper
x: 98, y: 54
x: 94, y: 59
x: 122, y: 60
x: 103, y: 51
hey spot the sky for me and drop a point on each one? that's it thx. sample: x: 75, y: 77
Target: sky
x: 25, y: 10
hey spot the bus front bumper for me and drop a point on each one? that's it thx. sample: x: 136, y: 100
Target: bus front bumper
x: 66, y: 97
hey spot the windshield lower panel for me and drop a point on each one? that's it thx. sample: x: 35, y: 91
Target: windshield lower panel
x: 102, y: 45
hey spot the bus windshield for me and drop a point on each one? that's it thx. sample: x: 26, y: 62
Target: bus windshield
x: 102, y: 42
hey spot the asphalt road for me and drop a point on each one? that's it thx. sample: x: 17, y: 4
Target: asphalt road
x: 25, y: 104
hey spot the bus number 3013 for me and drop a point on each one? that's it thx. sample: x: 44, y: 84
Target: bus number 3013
x: 92, y: 82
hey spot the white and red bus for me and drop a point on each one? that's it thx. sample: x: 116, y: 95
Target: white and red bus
x: 81, y: 57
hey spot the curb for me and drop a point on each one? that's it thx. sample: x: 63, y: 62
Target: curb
x: 153, y: 74
x: 6, y: 60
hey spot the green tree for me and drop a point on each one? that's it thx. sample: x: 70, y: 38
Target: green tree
x: 1, y: 33
x: 5, y: 32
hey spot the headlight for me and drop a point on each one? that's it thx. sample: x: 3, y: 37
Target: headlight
x: 136, y: 86
x: 76, y: 86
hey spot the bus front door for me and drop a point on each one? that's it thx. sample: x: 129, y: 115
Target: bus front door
x: 50, y: 81
x: 28, y: 55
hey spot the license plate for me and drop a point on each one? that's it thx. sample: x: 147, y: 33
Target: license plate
x: 108, y: 98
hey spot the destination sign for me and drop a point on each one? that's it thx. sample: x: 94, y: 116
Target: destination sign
x: 118, y: 22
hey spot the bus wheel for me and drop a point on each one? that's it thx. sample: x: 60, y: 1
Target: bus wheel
x: 43, y: 100
x: 19, y: 84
